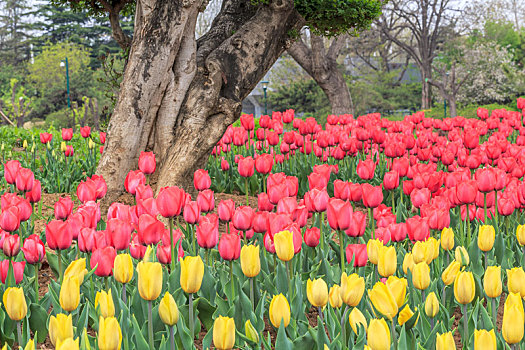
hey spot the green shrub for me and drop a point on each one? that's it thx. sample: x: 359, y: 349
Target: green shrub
x: 58, y: 119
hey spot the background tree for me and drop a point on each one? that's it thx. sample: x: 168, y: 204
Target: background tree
x: 179, y: 94
x: 14, y: 31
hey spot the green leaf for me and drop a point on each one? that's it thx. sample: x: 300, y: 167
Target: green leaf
x: 38, y: 321
x: 282, y: 342
x: 140, y: 341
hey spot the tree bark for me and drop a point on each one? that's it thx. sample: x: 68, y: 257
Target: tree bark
x: 321, y: 65
x: 179, y: 95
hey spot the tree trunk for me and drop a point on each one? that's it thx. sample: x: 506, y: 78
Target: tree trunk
x: 426, y: 92
x: 338, y: 94
x: 179, y: 95
x: 452, y: 106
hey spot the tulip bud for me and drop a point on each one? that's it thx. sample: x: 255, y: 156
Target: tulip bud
x: 317, y: 292
x: 486, y: 237
x: 520, y: 234
x: 24, y: 144
x: 334, y: 296
x: 513, y: 319
x: 447, y: 239
x: 449, y: 274
x: 251, y: 332
x: 109, y: 333
x: 15, y: 303
x: 464, y: 287
x: 123, y: 268
x: 484, y: 339
x: 378, y: 335
x: 63, y: 146
x: 70, y: 293
x: 284, y: 247
x: 168, y: 311
x: 492, y: 281
x: 91, y: 144
x: 516, y: 281
x: 421, y: 276
x: 279, y: 311
x: 445, y: 341
x: 383, y: 300
x: 60, y: 328
x: 192, y: 272
x: 352, y: 289
x: 104, y: 301
x: 224, y: 333
x: 431, y: 305
x: 461, y: 256
x: 398, y: 287
x: 372, y: 249
x: 67, y: 344
x: 357, y: 318
x: 408, y: 263
x: 149, y: 279
x: 250, y: 260
x: 423, y: 251
x: 387, y: 262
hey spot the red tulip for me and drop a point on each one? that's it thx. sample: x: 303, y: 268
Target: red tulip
x: 104, y: 258
x: 18, y: 270
x: 418, y: 197
x: 85, y: 131
x: 268, y: 243
x: 11, y: 169
x: 90, y: 215
x: 35, y: 194
x: 143, y: 192
x: 45, y: 137
x: 133, y: 179
x: 366, y: 169
x: 341, y: 190
x: 201, y: 180
x: 471, y: 138
x: 339, y: 214
x: 63, y: 208
x: 242, y: 218
x: 356, y: 192
x: 11, y: 245
x: 391, y: 180
x: 312, y: 236
x: 164, y: 253
x: 316, y: 200
x: 170, y: 201
x: 278, y: 222
x: 358, y: 253
x: 34, y: 249
x: 100, y: 185
x: 206, y: 200
x: 246, y: 167
x: 67, y: 134
x: 357, y: 224
x: 372, y: 195
x: 69, y: 151
x: 230, y: 246
x: 25, y: 180
x: 119, y: 233
x: 417, y: 228
x: 147, y: 163
x: 225, y: 166
x: 85, y: 239
x: 264, y: 203
x: 247, y: 122
x: 506, y: 206
x: 486, y: 180
x: 136, y: 249
x: 87, y: 191
x: 260, y: 222
x: 120, y: 211
x: 287, y: 205
x: 58, y: 234
x: 208, y: 231
x: 149, y: 229
x: 264, y: 163
x: 398, y: 232
x: 102, y: 137
x: 10, y: 219
x: 316, y: 180
x: 466, y: 191
x: 226, y: 209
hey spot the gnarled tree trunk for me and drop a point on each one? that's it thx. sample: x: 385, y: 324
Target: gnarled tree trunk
x: 179, y: 94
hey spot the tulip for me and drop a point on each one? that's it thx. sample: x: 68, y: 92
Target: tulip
x: 168, y: 311
x: 317, y: 292
x: 461, y: 256
x: 445, y: 341
x: 226, y: 209
x: 67, y: 134
x: 147, y: 163
x: 372, y: 195
x: 104, y: 258
x: 372, y: 248
x: 421, y: 275
x: 485, y: 340
x: 246, y: 167
x: 230, y: 247
x: 150, y: 280
x: 192, y: 271
x: 150, y: 229
x: 358, y: 253
x: 513, y: 319
x: 66, y: 344
x: 464, y: 287
x: 492, y: 282
x: 431, y: 305
x: 24, y: 180
x: 408, y: 263
x: 516, y: 281
x: 447, y: 239
x: 78, y: 269
x: 10, y: 219
x: 15, y: 303
x: 243, y: 218
x: 449, y: 274
x: 104, y: 301
x: 423, y: 251
x: 398, y: 288
x: 520, y: 234
x: 208, y: 231
x: 486, y: 237
x: 339, y: 214
x: 378, y: 335
x: 284, y: 246
x: 405, y: 315
x: 383, y: 300
x: 334, y: 296
x: 60, y: 328
x: 170, y: 201
x: 34, y: 249
x: 251, y: 332
x: 387, y: 262
x: 63, y: 208
x: 59, y: 235
x: 201, y: 180
x: 279, y: 311
x: 264, y: 163
x: 250, y: 261
x: 312, y: 236
x: 192, y: 212
x: 356, y: 318
x: 35, y: 194
x: 11, y: 245
x: 352, y: 289
x: 224, y: 333
x: 70, y: 293
x: 119, y: 233
x: 18, y: 270
x: 109, y: 334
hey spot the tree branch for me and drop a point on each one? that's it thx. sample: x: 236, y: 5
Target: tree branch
x: 336, y: 46
x: 302, y: 55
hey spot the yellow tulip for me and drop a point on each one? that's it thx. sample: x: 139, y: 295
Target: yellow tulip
x: 15, y: 303
x: 250, y: 260
x: 68, y: 344
x: 449, y: 275
x: 404, y: 315
x: 372, y: 249
x: 63, y: 146
x: 317, y: 292
x: 224, y: 333
x: 168, y: 311
x: 30, y: 345
x: 378, y: 335
x: 283, y: 242
x: 516, y: 280
x: 464, y: 287
x: 520, y: 234
x: 447, y: 239
x: 24, y: 144
x: 70, y: 293
x: 251, y: 332
x: 513, y: 319
x: 383, y: 300
x: 148, y: 255
x: 191, y: 273
x: 408, y: 263
x: 109, y: 333
x: 461, y: 256
x: 485, y: 340
x: 60, y: 328
x: 150, y: 279
x: 423, y: 251
x: 492, y: 281
x: 334, y: 296
x: 387, y: 261
x: 352, y: 288
x: 445, y: 341
x: 435, y: 251
x: 421, y: 276
x: 279, y: 311
x: 357, y: 318
x: 77, y: 268
x: 431, y: 305
x: 486, y: 237
x: 104, y: 301
x: 398, y: 287
x: 123, y: 268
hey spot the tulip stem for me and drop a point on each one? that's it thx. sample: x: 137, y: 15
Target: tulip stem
x: 343, y: 326
x: 252, y: 299
x: 320, y: 311
x: 172, y: 338
x: 192, y: 325
x: 372, y: 223
x: 467, y: 217
x: 465, y: 326
x: 172, y: 245
x: 494, y: 311
x: 485, y: 206
x: 150, y: 326
x: 59, y: 256
x: 247, y: 194
x: 393, y: 203
x: 341, y: 250
x: 289, y: 271
x: 36, y: 282
x: 321, y: 230
x: 19, y: 331
x: 124, y: 298
x: 393, y: 330
x: 231, y: 281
